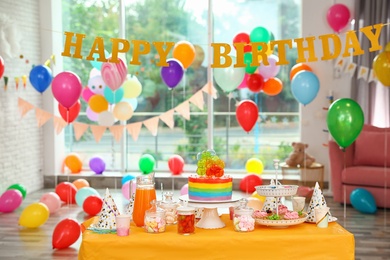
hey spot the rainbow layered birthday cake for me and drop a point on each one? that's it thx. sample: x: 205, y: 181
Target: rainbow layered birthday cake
x: 210, y: 184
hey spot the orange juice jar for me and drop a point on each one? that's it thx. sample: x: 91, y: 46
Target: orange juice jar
x: 144, y: 194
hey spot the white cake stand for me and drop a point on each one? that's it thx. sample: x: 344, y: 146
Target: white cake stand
x: 210, y: 218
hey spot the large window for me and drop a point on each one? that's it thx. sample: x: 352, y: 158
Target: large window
x: 175, y: 20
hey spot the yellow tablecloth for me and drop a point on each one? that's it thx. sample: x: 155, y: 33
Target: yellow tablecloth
x: 304, y: 241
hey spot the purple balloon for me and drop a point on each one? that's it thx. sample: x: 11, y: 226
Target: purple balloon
x: 172, y: 74
x: 97, y: 165
x: 271, y: 70
x: 10, y: 200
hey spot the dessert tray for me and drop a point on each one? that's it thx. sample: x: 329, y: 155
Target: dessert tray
x: 282, y: 223
x: 277, y: 190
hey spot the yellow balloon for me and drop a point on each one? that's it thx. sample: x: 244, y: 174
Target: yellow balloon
x: 199, y: 57
x: 387, y: 48
x: 256, y: 195
x: 123, y: 111
x: 132, y: 88
x: 254, y: 165
x: 98, y: 103
x: 34, y: 215
x: 381, y: 66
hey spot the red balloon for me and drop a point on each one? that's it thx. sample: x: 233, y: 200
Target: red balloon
x: 67, y: 192
x: 247, y: 113
x: 249, y: 183
x: 255, y: 82
x: 176, y: 164
x: 244, y: 38
x: 65, y: 233
x: 92, y: 205
x: 69, y: 115
x: 1, y: 67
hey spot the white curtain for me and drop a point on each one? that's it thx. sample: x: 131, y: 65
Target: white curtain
x: 373, y: 97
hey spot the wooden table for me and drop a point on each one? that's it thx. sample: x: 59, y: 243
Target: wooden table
x: 305, y: 171
x: 304, y: 241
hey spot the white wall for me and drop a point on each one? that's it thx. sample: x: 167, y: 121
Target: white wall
x: 21, y: 146
x: 313, y: 115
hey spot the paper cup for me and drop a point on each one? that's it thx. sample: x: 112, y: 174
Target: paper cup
x: 322, y: 216
x: 298, y: 203
x: 123, y: 225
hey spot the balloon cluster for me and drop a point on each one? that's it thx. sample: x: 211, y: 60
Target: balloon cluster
x: 183, y: 56
x: 304, y: 83
x: 12, y: 198
x: 111, y: 93
x: 209, y: 164
x: 256, y: 78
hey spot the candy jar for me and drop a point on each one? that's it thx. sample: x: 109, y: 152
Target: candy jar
x: 243, y: 220
x: 154, y: 219
x: 185, y: 220
x: 170, y: 208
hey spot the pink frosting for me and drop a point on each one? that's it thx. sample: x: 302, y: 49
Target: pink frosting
x: 282, y: 209
x: 291, y: 215
x: 260, y: 214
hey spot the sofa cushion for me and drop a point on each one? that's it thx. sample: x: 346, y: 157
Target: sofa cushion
x: 365, y: 176
x: 372, y: 147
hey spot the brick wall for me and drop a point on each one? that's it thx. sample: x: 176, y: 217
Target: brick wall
x: 21, y: 141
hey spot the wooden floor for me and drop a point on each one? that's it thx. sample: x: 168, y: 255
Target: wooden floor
x: 372, y: 232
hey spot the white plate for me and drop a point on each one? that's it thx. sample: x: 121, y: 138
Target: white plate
x: 233, y: 199
x: 276, y: 190
x: 282, y: 222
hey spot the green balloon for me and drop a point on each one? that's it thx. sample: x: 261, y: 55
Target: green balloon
x: 248, y: 61
x: 146, y: 163
x: 18, y: 187
x: 345, y: 121
x: 260, y: 34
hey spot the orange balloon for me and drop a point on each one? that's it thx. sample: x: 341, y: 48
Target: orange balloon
x: 73, y: 162
x: 273, y: 86
x: 297, y: 68
x: 81, y: 183
x: 98, y: 103
x: 184, y: 51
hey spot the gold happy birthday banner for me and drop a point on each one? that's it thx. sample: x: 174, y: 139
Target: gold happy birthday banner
x: 221, y: 59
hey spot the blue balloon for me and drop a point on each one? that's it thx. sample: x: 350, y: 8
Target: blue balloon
x: 305, y: 86
x: 363, y: 201
x: 40, y: 77
x: 113, y: 97
x: 84, y: 193
x: 127, y: 178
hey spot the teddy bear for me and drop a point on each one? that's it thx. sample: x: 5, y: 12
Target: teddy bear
x: 298, y: 157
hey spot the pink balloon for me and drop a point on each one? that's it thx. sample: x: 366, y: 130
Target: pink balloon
x: 338, y: 17
x: 92, y: 115
x: 114, y: 74
x: 243, y: 83
x: 271, y: 70
x: 66, y: 88
x: 87, y: 94
x: 184, y: 190
x: 126, y: 189
x: 52, y: 201
x: 10, y: 200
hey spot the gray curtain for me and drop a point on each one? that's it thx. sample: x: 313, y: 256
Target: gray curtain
x: 373, y: 97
